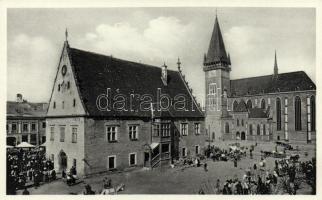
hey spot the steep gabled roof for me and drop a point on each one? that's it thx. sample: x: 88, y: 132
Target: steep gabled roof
x: 95, y: 73
x: 216, y: 51
x: 285, y: 82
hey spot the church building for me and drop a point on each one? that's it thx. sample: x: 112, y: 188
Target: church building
x: 279, y: 106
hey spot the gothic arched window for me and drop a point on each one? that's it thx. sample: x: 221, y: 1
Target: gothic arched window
x: 278, y: 114
x: 264, y: 129
x: 249, y: 104
x: 258, y: 129
x: 263, y: 105
x: 235, y: 104
x: 237, y: 122
x: 312, y: 99
x: 250, y: 129
x: 227, y: 127
x: 298, y: 123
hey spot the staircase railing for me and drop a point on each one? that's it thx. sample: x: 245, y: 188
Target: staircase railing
x: 155, y: 160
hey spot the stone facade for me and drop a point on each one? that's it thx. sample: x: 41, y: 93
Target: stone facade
x: 33, y: 133
x: 99, y: 142
x: 287, y: 100
x: 256, y: 97
x: 60, y: 142
x: 26, y: 122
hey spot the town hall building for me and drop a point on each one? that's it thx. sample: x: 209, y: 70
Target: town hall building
x: 109, y: 114
x: 280, y: 106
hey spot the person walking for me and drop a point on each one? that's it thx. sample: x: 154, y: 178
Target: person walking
x: 205, y: 167
x: 235, y: 162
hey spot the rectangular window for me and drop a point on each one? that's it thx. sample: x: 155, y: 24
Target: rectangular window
x: 24, y: 138
x: 157, y: 130
x: 111, y: 133
x: 24, y: 127
x: 33, y: 139
x: 165, y: 148
x: 33, y: 127
x: 197, y: 149
x: 165, y: 129
x: 43, y: 139
x: 14, y: 127
x: 62, y: 133
x: 184, y: 152
x: 133, y: 132
x: 212, y: 100
x: 74, y: 135
x: 111, y: 162
x: 52, y: 133
x: 197, y: 128
x: 132, y: 159
x: 212, y: 88
x: 74, y: 162
x: 43, y: 124
x: 184, y: 129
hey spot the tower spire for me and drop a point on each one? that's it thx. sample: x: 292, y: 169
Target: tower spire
x: 216, y: 51
x: 275, y: 65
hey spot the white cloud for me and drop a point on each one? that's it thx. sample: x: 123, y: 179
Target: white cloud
x: 31, y: 66
x: 163, y: 39
x: 158, y: 42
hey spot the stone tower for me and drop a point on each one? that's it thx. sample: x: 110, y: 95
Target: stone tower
x: 217, y: 79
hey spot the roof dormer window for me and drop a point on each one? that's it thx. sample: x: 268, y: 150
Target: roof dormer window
x: 164, y: 74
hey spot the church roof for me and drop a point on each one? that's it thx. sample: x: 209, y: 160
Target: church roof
x: 95, y: 73
x: 216, y: 51
x: 285, y: 82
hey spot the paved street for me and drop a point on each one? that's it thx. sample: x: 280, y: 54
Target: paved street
x: 175, y: 181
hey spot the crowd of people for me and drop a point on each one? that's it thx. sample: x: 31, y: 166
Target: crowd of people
x: 218, y: 154
x: 286, y: 176
x: 27, y: 168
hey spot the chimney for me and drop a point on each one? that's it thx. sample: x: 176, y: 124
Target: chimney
x: 19, y: 98
x: 164, y: 74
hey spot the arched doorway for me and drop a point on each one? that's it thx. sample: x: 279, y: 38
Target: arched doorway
x: 237, y: 136
x: 62, y: 161
x: 243, y: 136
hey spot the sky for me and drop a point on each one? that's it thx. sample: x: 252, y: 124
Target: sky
x: 154, y: 36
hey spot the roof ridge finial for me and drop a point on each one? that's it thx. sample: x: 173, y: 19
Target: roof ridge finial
x: 66, y: 35
x: 179, y: 64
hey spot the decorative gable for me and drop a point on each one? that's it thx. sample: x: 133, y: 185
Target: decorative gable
x: 65, y: 98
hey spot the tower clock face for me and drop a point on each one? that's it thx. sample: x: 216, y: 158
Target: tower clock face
x: 64, y: 70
